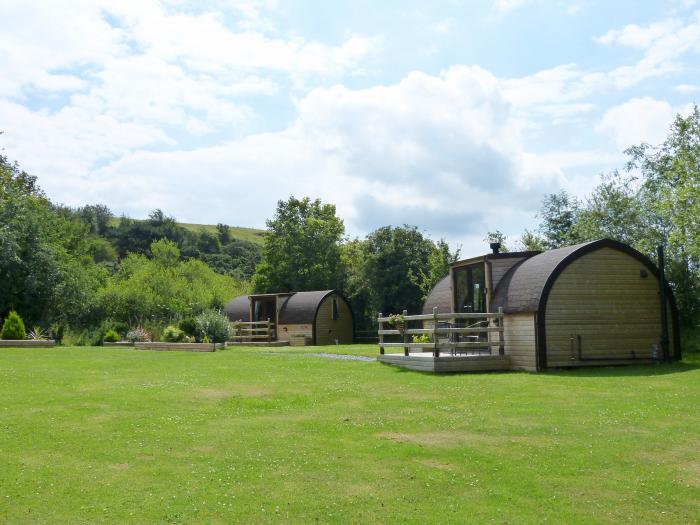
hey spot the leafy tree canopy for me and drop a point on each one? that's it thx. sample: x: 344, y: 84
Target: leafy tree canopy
x: 301, y: 250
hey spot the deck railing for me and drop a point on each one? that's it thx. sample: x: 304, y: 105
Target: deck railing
x: 445, y: 334
x: 246, y: 332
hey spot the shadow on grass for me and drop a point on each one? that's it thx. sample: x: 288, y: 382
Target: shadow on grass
x: 690, y: 362
x: 657, y: 369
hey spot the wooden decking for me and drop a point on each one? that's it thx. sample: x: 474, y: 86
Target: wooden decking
x: 427, y: 362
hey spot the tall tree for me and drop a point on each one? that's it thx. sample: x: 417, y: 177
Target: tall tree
x: 301, y: 249
x: 396, y: 261
x: 558, y: 215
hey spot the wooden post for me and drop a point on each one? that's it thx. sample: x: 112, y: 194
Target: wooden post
x: 405, y: 334
x: 436, y: 349
x: 381, y: 335
x: 501, y: 344
x: 269, y: 332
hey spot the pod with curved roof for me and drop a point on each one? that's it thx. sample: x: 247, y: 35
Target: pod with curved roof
x: 595, y: 303
x: 317, y: 317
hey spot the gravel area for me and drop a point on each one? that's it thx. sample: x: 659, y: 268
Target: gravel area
x: 345, y: 357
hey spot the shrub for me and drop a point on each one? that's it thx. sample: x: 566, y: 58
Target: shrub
x: 138, y: 335
x: 422, y: 338
x: 172, y: 334
x: 57, y: 332
x: 111, y: 336
x: 37, y: 334
x: 13, y: 327
x: 189, y: 326
x: 214, y: 326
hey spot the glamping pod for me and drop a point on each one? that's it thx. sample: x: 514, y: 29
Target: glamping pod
x: 596, y: 303
x: 300, y: 318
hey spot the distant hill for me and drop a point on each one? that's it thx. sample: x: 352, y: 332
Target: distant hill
x: 253, y: 235
x: 237, y: 232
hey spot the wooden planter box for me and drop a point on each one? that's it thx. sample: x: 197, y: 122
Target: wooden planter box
x: 187, y: 347
x: 27, y: 343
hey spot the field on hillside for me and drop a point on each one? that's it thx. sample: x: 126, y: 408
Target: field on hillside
x: 95, y: 435
x: 253, y: 235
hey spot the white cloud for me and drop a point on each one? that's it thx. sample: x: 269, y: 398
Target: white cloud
x: 633, y: 35
x: 687, y: 88
x: 440, y: 151
x: 638, y: 120
x: 147, y: 60
x: 664, y: 44
x: 505, y: 6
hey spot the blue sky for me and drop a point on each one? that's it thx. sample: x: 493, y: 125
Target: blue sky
x: 455, y: 116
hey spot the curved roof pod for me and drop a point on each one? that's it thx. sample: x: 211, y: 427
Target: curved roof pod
x: 301, y: 307
x: 521, y: 288
x: 440, y: 296
x: 526, y: 286
x: 238, y: 309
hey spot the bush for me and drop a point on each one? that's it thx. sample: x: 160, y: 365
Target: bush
x: 213, y: 326
x: 37, y: 334
x: 189, y: 326
x: 111, y: 336
x: 57, y: 332
x: 138, y: 335
x: 13, y: 327
x: 85, y: 337
x: 172, y: 334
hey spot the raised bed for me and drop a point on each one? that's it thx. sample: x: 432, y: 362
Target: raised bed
x: 27, y: 343
x: 187, y: 347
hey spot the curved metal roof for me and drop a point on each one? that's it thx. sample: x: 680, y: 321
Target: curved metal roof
x: 301, y: 307
x: 238, y: 309
x: 440, y: 296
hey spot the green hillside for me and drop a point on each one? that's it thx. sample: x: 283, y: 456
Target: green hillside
x: 253, y: 235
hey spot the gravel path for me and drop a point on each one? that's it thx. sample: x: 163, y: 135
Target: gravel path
x: 345, y: 357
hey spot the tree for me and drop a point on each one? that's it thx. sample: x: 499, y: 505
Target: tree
x: 613, y: 210
x: 97, y: 217
x: 165, y: 253
x: 164, y: 289
x: 497, y: 237
x: 47, y: 271
x: 301, y: 249
x: 13, y: 327
x: 439, y: 262
x: 531, y: 241
x: 396, y: 261
x: 558, y: 215
x: 224, y: 233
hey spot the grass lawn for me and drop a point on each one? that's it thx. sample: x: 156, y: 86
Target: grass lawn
x: 94, y: 435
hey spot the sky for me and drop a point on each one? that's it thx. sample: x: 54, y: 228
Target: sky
x: 454, y: 116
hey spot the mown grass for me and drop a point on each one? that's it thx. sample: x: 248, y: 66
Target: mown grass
x: 93, y: 435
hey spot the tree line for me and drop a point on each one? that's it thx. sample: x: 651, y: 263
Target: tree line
x: 83, y: 268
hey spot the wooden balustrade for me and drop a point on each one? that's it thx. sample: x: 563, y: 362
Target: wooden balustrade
x: 253, y: 331
x: 452, y: 338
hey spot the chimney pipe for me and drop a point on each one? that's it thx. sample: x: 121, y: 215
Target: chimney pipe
x: 495, y: 247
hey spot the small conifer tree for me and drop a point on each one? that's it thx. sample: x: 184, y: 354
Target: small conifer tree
x: 13, y: 327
